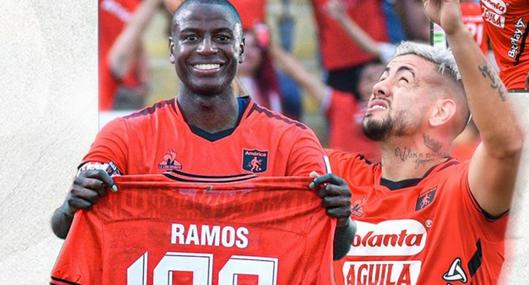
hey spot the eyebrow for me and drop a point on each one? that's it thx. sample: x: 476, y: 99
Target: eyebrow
x: 401, y: 69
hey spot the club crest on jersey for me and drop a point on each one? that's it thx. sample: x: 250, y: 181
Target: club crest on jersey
x: 425, y: 199
x: 254, y: 160
x: 169, y: 161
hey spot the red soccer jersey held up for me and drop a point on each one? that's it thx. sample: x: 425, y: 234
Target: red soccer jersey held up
x: 158, y: 139
x: 417, y: 231
x: 506, y: 25
x: 270, y: 230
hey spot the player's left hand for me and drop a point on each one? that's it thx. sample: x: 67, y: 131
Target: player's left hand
x: 445, y: 13
x: 335, y: 195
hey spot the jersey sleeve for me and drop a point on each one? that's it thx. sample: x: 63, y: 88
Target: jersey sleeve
x: 306, y: 155
x: 492, y: 229
x: 111, y: 144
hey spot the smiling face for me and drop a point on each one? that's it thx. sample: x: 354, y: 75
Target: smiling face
x: 400, y: 102
x: 205, y: 47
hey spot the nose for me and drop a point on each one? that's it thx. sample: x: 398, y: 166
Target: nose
x: 207, y: 46
x: 381, y: 88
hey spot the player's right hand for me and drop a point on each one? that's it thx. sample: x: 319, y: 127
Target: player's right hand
x: 87, y: 188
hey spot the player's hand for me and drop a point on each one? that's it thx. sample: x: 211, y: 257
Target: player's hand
x: 335, y: 195
x: 445, y: 13
x: 87, y: 188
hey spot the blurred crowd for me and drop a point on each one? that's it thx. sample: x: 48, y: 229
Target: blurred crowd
x: 353, y: 40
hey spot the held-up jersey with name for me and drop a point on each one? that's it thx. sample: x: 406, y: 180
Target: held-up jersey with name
x: 155, y: 230
x: 506, y: 25
x: 417, y: 231
x: 159, y: 139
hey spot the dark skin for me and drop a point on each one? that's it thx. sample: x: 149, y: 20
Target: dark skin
x: 206, y: 46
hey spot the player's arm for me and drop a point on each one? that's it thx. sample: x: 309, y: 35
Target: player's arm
x: 493, y: 168
x: 88, y: 187
x: 336, y: 198
x: 124, y: 49
x: 310, y: 82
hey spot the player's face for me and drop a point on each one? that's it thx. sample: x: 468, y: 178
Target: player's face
x: 205, y: 48
x: 399, y: 103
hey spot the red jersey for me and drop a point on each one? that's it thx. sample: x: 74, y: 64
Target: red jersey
x: 251, y: 12
x: 417, y: 231
x: 506, y: 24
x: 471, y: 15
x: 113, y: 16
x: 158, y: 139
x: 338, y: 51
x: 344, y: 115
x: 266, y: 230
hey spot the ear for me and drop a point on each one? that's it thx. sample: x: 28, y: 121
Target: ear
x: 241, y: 52
x: 172, y: 58
x: 442, y: 112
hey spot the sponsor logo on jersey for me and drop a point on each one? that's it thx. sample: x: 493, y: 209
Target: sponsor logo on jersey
x: 497, y: 6
x: 169, y: 161
x: 519, y: 30
x: 254, y: 160
x: 455, y: 272
x: 381, y: 272
x: 425, y: 199
x: 493, y: 18
x: 389, y: 238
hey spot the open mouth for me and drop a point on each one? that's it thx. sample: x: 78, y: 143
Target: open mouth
x: 377, y: 105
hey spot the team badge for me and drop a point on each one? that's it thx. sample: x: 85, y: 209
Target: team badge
x: 254, y: 160
x: 455, y: 272
x: 169, y: 161
x: 425, y: 199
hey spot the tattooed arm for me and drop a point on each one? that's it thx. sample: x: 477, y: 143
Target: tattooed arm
x: 493, y: 168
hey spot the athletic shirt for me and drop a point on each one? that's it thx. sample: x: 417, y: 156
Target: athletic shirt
x: 251, y: 12
x: 158, y: 139
x: 506, y: 24
x: 113, y: 16
x: 417, y: 231
x: 471, y: 15
x: 155, y: 230
x: 338, y: 51
x: 344, y: 115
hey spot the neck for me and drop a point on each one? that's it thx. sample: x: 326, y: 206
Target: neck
x: 212, y: 113
x: 403, y: 158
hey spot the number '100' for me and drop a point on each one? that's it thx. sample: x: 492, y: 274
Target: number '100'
x: 202, y: 266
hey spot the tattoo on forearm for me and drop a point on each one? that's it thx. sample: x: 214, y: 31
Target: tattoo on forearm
x: 495, y: 82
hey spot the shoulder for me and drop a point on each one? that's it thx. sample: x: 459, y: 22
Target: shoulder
x: 271, y: 121
x: 353, y: 167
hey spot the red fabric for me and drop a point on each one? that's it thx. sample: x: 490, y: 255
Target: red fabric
x: 345, y: 117
x: 416, y: 233
x: 154, y: 221
x: 142, y: 143
x: 506, y: 24
x: 471, y: 14
x: 337, y: 49
x: 251, y: 12
x: 113, y: 16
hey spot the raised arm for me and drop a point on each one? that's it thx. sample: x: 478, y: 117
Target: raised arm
x: 493, y: 168
x: 310, y: 82
x: 124, y: 48
x: 384, y: 51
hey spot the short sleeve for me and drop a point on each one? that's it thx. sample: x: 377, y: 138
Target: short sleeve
x: 110, y: 145
x: 306, y: 155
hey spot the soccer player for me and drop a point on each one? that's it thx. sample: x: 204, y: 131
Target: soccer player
x: 206, y: 130
x: 506, y: 25
x: 423, y: 217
